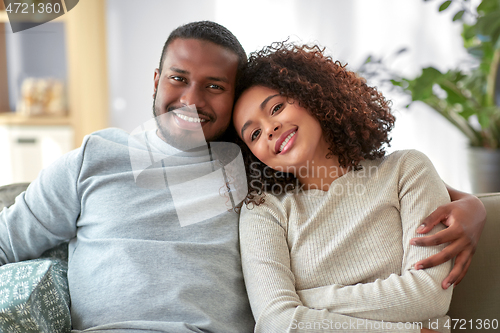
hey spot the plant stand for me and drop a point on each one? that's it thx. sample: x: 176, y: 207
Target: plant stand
x: 484, y: 169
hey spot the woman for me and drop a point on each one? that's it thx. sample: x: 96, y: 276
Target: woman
x: 327, y: 223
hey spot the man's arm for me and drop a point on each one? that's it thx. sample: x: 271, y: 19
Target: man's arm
x: 45, y: 215
x: 465, y: 217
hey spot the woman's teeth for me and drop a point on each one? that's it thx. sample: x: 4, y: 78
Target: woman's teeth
x: 190, y: 119
x: 286, y: 141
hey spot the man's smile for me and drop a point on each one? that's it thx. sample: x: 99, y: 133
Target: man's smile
x: 190, y: 118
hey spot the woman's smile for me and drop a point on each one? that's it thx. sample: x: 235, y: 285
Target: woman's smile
x: 285, y: 142
x: 278, y: 131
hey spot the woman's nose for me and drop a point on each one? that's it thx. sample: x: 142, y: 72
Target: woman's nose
x: 273, y: 129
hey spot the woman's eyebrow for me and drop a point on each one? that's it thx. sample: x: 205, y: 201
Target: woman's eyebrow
x: 248, y: 123
x: 263, y: 104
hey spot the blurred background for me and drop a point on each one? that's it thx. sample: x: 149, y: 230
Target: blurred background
x: 105, y: 51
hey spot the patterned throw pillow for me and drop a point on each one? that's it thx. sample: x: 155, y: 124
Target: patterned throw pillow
x: 34, y: 295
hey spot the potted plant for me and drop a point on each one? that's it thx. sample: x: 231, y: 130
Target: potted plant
x: 469, y: 99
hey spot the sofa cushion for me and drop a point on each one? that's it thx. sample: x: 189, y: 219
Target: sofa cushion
x: 34, y: 294
x: 34, y: 297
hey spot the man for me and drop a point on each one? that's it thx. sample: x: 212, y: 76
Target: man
x: 134, y: 265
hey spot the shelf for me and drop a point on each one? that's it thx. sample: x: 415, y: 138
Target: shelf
x: 3, y: 17
x: 11, y: 118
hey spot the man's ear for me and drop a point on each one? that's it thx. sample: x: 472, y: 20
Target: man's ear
x: 157, y: 79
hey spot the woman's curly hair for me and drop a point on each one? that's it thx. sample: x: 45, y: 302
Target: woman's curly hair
x: 355, y: 118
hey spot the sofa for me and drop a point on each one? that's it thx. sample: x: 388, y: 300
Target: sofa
x: 476, y: 300
x: 44, y: 306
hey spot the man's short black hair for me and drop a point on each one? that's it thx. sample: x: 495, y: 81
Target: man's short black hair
x: 211, y: 32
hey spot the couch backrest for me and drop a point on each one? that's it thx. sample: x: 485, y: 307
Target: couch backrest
x: 477, y: 297
x: 9, y: 192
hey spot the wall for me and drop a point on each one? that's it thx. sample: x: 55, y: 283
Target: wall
x: 135, y: 41
x: 351, y: 30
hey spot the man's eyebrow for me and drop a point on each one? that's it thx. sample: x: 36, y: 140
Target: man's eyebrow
x: 210, y: 78
x: 248, y: 123
x: 178, y: 70
x: 218, y: 79
x: 263, y: 104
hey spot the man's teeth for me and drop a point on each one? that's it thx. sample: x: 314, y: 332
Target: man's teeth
x: 286, y: 141
x: 190, y: 119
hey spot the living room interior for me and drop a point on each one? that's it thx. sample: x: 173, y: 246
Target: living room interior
x: 104, y: 70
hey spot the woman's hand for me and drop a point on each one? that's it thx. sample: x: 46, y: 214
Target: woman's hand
x: 465, y: 217
x: 426, y: 330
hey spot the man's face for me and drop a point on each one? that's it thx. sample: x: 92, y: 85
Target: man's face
x: 199, y: 73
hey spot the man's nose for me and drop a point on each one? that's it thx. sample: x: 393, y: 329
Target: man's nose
x: 273, y: 129
x: 192, y: 94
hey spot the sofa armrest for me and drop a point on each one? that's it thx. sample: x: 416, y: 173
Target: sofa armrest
x: 477, y: 297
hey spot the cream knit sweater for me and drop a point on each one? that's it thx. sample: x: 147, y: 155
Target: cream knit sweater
x: 340, y: 260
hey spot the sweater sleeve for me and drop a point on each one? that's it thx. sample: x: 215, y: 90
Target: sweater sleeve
x: 270, y: 282
x: 415, y: 295
x: 45, y: 214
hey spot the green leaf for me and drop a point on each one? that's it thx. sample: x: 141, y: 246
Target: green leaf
x: 396, y: 83
x: 487, y: 6
x: 431, y: 73
x: 483, y: 119
x: 444, y: 5
x: 454, y: 97
x: 494, y: 36
x: 421, y: 87
x: 458, y: 15
x: 476, y: 51
x: 487, y: 24
x: 467, y: 112
x: 403, y: 83
x: 468, y: 32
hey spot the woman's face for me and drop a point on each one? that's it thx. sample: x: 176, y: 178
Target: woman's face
x: 279, y: 132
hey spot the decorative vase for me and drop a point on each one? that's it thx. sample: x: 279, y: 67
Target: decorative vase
x: 484, y: 169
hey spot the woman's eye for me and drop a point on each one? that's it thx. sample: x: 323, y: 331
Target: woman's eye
x: 254, y: 135
x: 276, y: 108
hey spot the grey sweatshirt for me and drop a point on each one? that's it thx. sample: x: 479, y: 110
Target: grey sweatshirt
x: 133, y: 266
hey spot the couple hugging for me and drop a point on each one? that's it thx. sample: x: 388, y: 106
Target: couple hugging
x: 319, y: 243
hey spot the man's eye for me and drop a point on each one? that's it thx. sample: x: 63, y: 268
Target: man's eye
x: 254, y: 135
x: 177, y: 78
x: 276, y: 108
x: 214, y: 86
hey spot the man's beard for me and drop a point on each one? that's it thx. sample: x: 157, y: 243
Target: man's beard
x: 183, y: 142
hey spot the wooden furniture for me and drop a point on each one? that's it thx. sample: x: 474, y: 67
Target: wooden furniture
x: 87, y: 83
